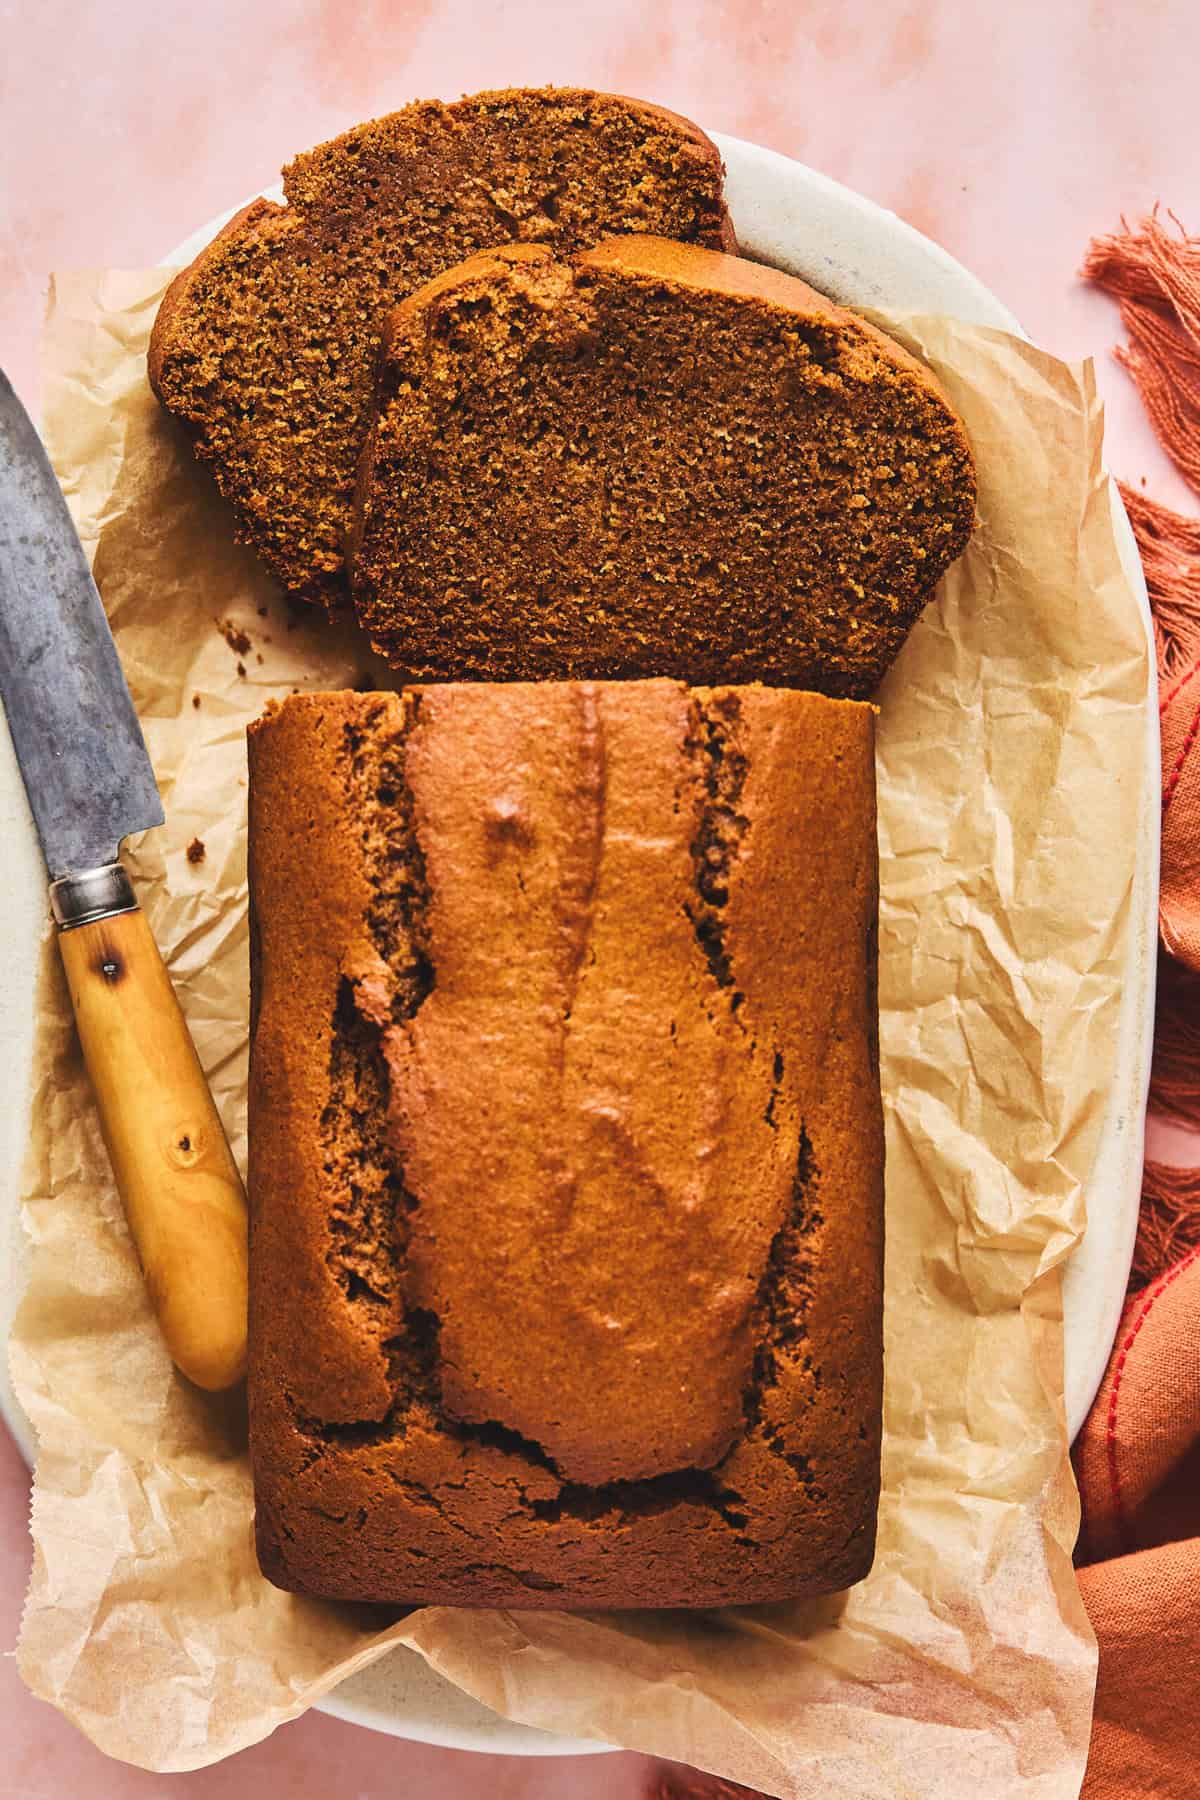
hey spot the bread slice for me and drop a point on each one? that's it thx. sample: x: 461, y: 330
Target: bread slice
x: 264, y: 347
x: 650, y: 459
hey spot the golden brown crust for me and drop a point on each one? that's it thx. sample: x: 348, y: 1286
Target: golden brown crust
x: 566, y: 1146
x: 650, y: 459
x: 264, y: 347
x: 297, y: 811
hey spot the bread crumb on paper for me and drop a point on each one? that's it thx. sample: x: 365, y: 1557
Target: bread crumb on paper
x: 234, y: 636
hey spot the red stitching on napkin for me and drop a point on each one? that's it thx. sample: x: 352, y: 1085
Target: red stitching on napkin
x: 1114, y: 1477
x: 1177, y: 771
x: 1177, y: 689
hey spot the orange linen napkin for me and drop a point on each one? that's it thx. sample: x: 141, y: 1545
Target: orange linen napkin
x: 1138, y: 1464
x: 1137, y: 1459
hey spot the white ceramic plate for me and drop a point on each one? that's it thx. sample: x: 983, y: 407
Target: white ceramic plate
x: 863, y: 256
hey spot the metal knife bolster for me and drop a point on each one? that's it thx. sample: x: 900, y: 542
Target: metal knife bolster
x: 94, y: 894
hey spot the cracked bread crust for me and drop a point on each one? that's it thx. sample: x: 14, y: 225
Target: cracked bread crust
x: 264, y: 347
x: 566, y: 1145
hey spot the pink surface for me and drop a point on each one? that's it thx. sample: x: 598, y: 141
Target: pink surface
x: 1011, y: 134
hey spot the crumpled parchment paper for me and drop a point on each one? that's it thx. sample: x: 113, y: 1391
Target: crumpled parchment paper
x: 1010, y: 758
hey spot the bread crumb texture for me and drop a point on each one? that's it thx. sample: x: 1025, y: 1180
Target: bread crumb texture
x: 264, y: 347
x: 651, y: 459
x: 566, y: 1145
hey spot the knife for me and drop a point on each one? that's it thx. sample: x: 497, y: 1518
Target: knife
x: 90, y: 784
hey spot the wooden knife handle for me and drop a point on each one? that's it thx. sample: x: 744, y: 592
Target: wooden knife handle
x: 181, y: 1190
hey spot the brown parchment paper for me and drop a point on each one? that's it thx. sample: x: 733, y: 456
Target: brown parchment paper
x: 1010, y: 758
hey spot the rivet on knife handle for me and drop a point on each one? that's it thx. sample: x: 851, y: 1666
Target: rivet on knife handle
x: 180, y: 1187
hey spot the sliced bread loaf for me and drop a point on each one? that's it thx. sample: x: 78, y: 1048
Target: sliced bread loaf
x: 650, y: 459
x: 264, y: 347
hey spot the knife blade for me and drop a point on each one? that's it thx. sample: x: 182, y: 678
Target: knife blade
x: 90, y: 784
x: 77, y: 738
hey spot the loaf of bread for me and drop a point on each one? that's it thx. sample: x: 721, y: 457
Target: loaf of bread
x: 650, y: 459
x: 264, y: 346
x: 565, y: 1145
